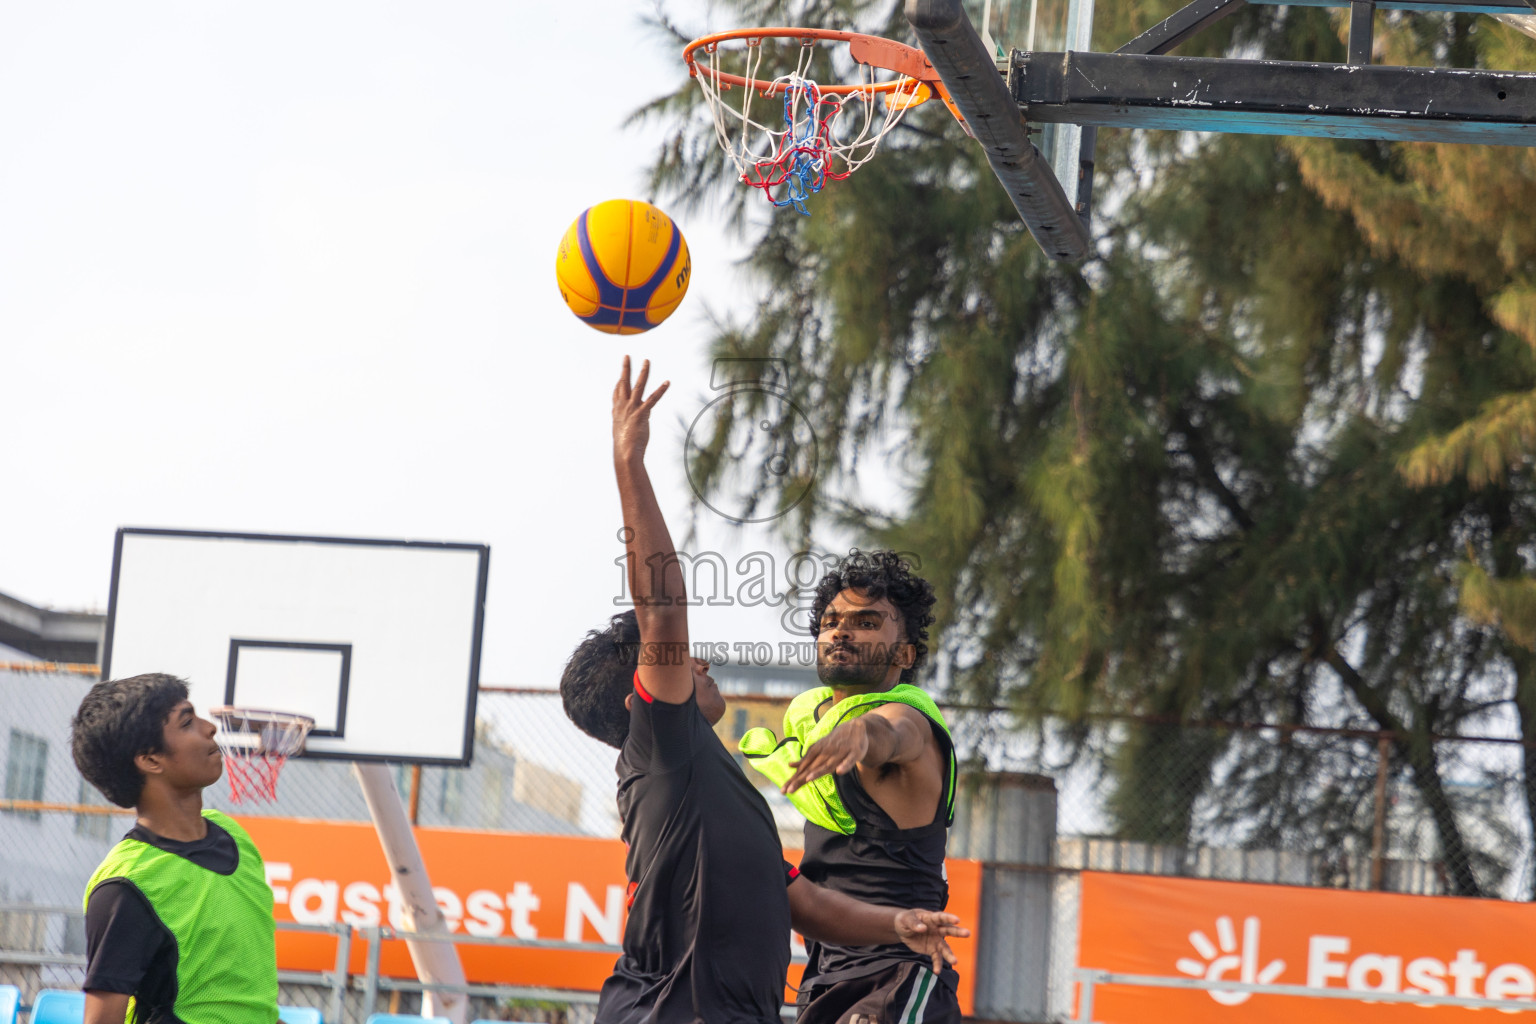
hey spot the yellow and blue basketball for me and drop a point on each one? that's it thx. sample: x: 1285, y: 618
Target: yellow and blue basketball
x: 623, y: 267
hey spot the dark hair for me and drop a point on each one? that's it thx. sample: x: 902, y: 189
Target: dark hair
x: 882, y: 574
x: 599, y: 675
x: 118, y: 720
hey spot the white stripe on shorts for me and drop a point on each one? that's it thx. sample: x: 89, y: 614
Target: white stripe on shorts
x: 922, y: 987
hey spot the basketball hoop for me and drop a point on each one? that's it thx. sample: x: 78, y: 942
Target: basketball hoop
x: 813, y: 132
x: 256, y: 744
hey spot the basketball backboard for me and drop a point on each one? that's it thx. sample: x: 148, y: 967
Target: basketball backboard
x: 377, y: 641
x: 1045, y: 25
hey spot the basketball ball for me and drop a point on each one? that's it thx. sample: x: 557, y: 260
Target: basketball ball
x: 623, y: 266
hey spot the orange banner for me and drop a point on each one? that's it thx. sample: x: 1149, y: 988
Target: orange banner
x: 1287, y: 935
x: 487, y: 884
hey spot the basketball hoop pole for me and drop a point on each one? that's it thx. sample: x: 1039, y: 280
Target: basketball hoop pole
x: 437, y: 963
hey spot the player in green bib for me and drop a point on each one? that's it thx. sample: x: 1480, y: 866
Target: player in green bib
x: 178, y: 917
x: 867, y: 758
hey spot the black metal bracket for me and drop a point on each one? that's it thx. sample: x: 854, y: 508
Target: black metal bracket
x: 1408, y: 104
x: 1140, y: 86
x: 1362, y: 19
x: 1180, y: 25
x: 1158, y: 39
x: 969, y: 74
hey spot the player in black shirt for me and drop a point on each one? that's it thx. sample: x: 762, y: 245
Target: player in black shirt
x: 711, y: 899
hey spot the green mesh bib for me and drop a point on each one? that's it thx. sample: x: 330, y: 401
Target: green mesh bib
x: 226, y: 966
x: 818, y: 800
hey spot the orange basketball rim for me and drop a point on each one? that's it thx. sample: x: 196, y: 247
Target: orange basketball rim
x: 918, y: 80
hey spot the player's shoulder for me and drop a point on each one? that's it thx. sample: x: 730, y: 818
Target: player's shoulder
x: 900, y: 711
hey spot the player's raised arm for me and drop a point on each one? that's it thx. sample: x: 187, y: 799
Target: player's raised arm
x: 655, y: 577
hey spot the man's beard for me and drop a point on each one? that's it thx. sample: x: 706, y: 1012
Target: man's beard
x: 857, y: 671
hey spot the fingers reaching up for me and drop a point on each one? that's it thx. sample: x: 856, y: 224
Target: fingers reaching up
x: 632, y: 411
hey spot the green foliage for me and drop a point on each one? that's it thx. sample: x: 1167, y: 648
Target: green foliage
x: 1234, y: 468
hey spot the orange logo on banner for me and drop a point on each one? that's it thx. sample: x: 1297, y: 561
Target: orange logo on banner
x: 1287, y: 935
x: 488, y: 884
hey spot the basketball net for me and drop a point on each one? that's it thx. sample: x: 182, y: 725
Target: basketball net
x: 256, y: 744
x: 818, y: 134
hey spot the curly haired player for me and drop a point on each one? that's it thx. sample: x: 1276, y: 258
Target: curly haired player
x: 867, y: 758
x: 711, y: 899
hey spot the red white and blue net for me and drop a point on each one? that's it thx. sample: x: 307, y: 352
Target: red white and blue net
x: 789, y: 136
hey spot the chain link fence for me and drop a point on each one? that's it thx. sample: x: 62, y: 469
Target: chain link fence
x: 1340, y: 808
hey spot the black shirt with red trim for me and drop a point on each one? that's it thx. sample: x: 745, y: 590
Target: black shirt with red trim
x: 707, y: 938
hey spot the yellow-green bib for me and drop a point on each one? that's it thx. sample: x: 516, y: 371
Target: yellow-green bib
x: 226, y: 964
x: 819, y: 800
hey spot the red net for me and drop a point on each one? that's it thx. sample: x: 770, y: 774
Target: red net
x: 256, y: 745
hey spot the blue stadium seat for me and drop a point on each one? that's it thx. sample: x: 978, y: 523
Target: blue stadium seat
x: 58, y: 1006
x: 404, y: 1018
x: 10, y: 999
x: 293, y: 1015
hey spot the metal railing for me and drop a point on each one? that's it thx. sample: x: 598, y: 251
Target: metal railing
x: 1090, y: 979
x: 374, y: 981
x: 337, y: 980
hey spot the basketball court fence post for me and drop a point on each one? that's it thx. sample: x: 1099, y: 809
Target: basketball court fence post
x: 1085, y: 1000
x: 339, y: 979
x: 375, y: 938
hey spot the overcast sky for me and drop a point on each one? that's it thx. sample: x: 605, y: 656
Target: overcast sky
x: 288, y: 268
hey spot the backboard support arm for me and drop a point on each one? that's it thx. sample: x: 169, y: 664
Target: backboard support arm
x: 970, y: 75
x: 1403, y: 104
x: 1159, y: 39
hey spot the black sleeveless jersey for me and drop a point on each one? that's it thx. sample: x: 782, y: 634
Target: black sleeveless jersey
x: 879, y: 864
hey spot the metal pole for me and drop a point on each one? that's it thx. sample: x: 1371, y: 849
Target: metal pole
x: 1362, y: 15
x: 375, y: 940
x: 343, y: 966
x: 1085, y: 998
x: 415, y: 794
x: 1379, y: 832
x: 435, y: 962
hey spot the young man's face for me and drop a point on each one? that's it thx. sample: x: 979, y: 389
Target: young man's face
x: 859, y: 643
x: 190, y: 758
x: 706, y: 693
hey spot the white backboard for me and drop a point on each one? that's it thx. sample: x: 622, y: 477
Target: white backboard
x: 378, y: 641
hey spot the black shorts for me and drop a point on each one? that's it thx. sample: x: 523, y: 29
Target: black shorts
x: 905, y: 993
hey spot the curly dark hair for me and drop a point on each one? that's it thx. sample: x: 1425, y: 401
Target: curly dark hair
x: 599, y: 675
x: 882, y: 574
x: 118, y: 720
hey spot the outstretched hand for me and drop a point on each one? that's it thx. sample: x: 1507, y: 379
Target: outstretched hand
x: 839, y: 751
x: 632, y: 413
x: 928, y: 932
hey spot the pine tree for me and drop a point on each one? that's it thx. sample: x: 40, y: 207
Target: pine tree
x: 1220, y: 472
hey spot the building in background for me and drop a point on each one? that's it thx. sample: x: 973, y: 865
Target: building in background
x: 43, y: 634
